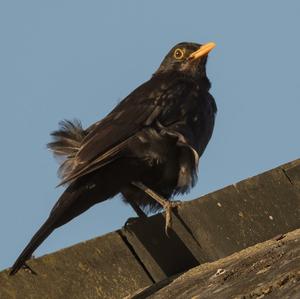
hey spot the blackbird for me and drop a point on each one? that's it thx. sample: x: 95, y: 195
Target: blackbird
x: 147, y: 148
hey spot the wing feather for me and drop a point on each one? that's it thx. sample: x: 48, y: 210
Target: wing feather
x: 108, y: 139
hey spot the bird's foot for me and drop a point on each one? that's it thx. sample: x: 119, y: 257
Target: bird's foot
x: 132, y: 220
x: 168, y: 206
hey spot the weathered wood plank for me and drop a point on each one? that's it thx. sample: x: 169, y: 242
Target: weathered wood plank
x: 100, y: 268
x: 270, y: 269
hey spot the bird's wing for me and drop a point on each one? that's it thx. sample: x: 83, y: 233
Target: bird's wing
x: 108, y: 139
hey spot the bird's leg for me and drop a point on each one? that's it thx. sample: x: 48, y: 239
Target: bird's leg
x: 166, y: 204
x: 137, y: 209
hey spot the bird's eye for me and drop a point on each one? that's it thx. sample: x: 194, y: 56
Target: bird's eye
x: 178, y: 53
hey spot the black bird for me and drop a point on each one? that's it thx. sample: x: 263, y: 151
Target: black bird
x: 147, y: 148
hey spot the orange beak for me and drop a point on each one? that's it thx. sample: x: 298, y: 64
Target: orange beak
x: 203, y: 50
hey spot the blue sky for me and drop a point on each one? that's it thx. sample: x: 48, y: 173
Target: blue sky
x: 66, y: 59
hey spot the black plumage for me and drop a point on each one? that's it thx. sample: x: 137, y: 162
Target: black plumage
x: 153, y: 138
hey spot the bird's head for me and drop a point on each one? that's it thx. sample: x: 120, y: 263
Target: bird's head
x: 188, y: 58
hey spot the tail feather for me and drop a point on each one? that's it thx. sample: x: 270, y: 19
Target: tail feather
x: 73, y: 202
x: 66, y: 143
x: 79, y: 196
x: 67, y: 139
x: 45, y: 230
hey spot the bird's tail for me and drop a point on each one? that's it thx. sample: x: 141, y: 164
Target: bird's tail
x: 75, y: 200
x: 45, y: 230
x: 66, y: 143
x: 72, y: 202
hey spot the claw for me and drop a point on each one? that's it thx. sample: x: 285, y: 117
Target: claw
x: 130, y: 221
x: 166, y: 204
x: 168, y: 209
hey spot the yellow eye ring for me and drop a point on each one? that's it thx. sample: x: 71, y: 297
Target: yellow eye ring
x: 178, y: 53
